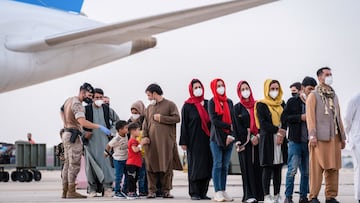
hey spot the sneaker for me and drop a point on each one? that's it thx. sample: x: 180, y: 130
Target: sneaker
x: 167, y: 195
x: 119, y: 195
x: 131, y: 195
x: 303, y: 200
x: 108, y: 192
x: 268, y: 199
x: 289, y: 200
x: 143, y: 194
x: 195, y: 197
x: 277, y: 198
x: 251, y: 200
x: 92, y: 194
x: 331, y: 200
x: 205, y: 197
x: 314, y: 200
x: 227, y: 197
x: 219, y: 197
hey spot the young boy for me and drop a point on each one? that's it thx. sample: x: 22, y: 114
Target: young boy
x: 120, y: 145
x: 134, y: 162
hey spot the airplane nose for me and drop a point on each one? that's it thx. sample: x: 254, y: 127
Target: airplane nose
x: 142, y: 44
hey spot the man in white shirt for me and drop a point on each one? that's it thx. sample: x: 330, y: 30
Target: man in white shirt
x: 352, y: 129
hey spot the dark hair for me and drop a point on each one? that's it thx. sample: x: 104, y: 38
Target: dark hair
x: 309, y: 81
x: 87, y: 87
x: 62, y: 130
x: 133, y: 126
x: 193, y: 81
x: 154, y: 88
x: 274, y: 81
x: 320, y: 71
x: 99, y: 91
x: 120, y: 124
x: 297, y: 85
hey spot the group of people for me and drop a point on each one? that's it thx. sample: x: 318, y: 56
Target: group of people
x: 305, y: 133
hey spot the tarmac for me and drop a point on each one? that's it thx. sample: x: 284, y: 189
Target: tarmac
x: 48, y: 189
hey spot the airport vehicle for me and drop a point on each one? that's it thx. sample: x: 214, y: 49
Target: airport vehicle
x: 48, y: 39
x: 24, y: 158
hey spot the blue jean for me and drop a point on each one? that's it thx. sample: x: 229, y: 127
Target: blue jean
x: 298, y: 157
x: 119, y: 167
x: 143, y: 187
x: 221, y: 160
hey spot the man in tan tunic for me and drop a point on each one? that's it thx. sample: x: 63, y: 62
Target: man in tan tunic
x: 326, y: 137
x: 73, y: 116
x: 159, y: 131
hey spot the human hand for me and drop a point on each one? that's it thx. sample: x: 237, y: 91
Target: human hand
x: 279, y: 139
x: 229, y: 139
x: 105, y: 130
x: 343, y: 144
x: 255, y: 140
x: 145, y: 140
x: 313, y: 141
x: 303, y: 117
x: 88, y: 134
x: 157, y: 117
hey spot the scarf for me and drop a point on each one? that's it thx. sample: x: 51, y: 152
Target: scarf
x: 204, y: 116
x: 221, y: 110
x: 328, y: 94
x: 274, y: 105
x: 249, y: 105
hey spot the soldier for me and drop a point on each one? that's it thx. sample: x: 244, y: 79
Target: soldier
x: 73, y: 115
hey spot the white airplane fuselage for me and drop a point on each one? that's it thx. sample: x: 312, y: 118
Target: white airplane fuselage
x: 24, y: 22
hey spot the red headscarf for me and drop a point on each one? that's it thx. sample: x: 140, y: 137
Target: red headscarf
x: 248, y: 105
x: 221, y: 110
x: 205, y: 119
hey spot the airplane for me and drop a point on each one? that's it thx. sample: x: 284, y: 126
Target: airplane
x: 49, y: 39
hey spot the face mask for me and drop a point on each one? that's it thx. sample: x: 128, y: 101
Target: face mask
x: 152, y: 102
x: 303, y: 95
x: 329, y: 80
x: 220, y: 90
x: 99, y: 102
x: 245, y: 94
x: 198, y: 92
x: 87, y: 100
x: 273, y: 94
x: 294, y: 94
x: 135, y: 116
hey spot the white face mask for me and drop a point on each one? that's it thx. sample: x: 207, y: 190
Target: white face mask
x: 329, y: 80
x: 135, y: 116
x: 152, y: 102
x: 220, y: 90
x: 245, y: 94
x: 99, y: 102
x: 198, y: 92
x: 273, y: 94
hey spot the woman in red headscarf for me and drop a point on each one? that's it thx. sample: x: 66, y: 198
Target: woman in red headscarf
x: 221, y: 137
x: 247, y: 144
x: 195, y: 139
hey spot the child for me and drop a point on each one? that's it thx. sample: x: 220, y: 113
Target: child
x: 134, y: 162
x: 120, y: 145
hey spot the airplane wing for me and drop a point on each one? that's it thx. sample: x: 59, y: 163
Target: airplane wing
x: 118, y: 33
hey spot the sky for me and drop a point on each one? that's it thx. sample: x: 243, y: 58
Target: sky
x: 285, y: 40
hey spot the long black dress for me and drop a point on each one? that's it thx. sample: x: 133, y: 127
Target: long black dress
x: 198, y: 150
x: 249, y: 158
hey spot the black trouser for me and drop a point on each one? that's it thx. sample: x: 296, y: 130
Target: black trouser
x: 199, y: 187
x: 132, y: 173
x: 275, y: 170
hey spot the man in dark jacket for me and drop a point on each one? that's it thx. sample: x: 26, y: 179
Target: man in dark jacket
x: 298, y: 154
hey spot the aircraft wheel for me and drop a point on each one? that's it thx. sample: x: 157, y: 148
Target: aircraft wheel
x: 37, y: 175
x: 14, y: 175
x: 22, y: 176
x: 29, y: 176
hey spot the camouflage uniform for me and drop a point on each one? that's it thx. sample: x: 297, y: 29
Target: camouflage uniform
x: 73, y: 110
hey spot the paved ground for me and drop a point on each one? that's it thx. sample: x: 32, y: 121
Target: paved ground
x: 49, y: 190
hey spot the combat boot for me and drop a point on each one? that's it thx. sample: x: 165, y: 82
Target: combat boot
x: 71, y: 193
x: 65, y: 189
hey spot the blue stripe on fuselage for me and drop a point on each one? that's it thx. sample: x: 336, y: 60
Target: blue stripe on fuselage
x: 65, y: 5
